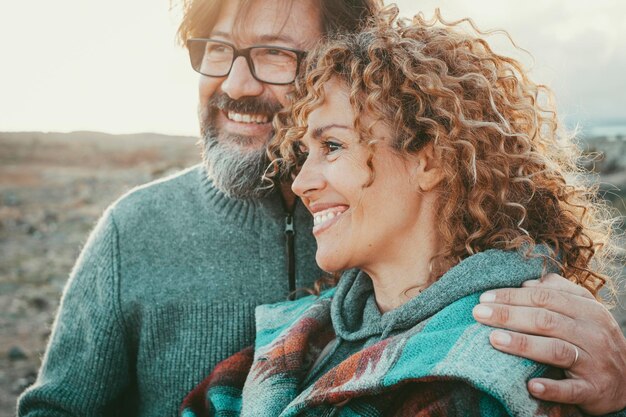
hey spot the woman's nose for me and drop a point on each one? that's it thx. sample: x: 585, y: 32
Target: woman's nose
x: 309, y: 180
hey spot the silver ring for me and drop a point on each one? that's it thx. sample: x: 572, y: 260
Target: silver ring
x: 575, y: 358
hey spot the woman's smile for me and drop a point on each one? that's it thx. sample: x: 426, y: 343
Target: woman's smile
x: 324, y: 218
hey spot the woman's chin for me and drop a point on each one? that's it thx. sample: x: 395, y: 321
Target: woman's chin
x: 330, y: 263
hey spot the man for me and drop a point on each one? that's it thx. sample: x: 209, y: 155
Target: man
x: 167, y: 284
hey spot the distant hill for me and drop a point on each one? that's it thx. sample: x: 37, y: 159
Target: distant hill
x: 96, y: 148
x: 137, y: 139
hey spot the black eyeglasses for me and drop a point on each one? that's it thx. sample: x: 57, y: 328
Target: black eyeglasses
x: 269, y: 64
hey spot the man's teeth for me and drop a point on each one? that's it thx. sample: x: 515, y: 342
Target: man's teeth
x: 323, y: 217
x: 247, y: 118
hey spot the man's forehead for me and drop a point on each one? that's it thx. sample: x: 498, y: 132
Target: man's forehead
x: 291, y: 22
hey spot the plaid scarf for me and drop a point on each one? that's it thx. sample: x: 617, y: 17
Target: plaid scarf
x: 442, y: 365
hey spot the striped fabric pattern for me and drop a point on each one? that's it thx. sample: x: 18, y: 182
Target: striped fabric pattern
x: 444, y: 365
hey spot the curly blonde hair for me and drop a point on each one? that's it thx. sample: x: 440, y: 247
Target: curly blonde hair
x: 511, y: 179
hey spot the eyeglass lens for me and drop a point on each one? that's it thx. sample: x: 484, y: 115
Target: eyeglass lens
x: 270, y: 64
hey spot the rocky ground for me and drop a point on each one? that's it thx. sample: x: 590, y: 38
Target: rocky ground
x: 53, y: 188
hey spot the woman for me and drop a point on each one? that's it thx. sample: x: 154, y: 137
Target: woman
x: 430, y: 168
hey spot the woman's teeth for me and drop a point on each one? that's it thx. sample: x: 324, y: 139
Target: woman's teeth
x: 247, y: 118
x: 324, y: 216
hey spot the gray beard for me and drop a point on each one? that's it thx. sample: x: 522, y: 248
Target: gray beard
x: 235, y: 163
x: 235, y: 171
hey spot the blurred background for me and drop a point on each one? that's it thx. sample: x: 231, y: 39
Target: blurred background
x: 97, y: 97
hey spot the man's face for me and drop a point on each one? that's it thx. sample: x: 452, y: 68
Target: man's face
x: 236, y: 111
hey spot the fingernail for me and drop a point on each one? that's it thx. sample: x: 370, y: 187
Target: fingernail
x: 488, y: 297
x: 501, y: 338
x: 530, y: 283
x: 537, y: 387
x: 483, y: 312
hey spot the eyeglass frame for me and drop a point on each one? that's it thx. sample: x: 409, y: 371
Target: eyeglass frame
x: 245, y: 53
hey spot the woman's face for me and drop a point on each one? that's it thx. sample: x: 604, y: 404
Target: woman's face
x: 355, y: 226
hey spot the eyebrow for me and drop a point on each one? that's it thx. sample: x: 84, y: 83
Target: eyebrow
x: 262, y: 38
x: 319, y: 131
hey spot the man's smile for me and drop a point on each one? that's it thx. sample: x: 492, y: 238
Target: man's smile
x: 247, y: 118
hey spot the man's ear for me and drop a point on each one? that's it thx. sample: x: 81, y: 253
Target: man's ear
x: 427, y: 172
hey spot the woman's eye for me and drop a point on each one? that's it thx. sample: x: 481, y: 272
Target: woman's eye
x: 332, y: 146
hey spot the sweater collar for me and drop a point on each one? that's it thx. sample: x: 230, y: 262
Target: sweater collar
x: 248, y: 212
x: 355, y: 314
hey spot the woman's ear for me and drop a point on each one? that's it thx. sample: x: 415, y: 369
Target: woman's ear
x: 427, y: 172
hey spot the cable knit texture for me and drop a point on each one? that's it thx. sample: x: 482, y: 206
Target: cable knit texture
x: 163, y: 290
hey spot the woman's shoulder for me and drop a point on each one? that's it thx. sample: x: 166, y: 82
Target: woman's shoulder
x: 451, y: 345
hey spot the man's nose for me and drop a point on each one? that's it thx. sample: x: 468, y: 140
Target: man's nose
x: 240, y: 82
x: 309, y: 180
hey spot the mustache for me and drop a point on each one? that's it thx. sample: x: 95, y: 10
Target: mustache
x: 253, y: 105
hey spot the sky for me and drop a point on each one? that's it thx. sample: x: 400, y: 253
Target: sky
x: 115, y: 66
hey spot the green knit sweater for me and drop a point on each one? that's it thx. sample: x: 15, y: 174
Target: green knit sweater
x: 164, y: 289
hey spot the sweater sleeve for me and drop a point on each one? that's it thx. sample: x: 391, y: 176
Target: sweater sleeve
x: 85, y: 369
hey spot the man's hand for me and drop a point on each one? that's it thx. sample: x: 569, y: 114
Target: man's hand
x: 559, y: 323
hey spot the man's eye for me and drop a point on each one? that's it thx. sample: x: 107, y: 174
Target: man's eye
x: 302, y: 153
x: 274, y: 51
x: 217, y: 49
x: 273, y: 56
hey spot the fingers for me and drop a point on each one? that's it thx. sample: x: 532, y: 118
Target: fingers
x: 559, y: 283
x: 546, y: 350
x: 550, y: 299
x: 575, y: 391
x: 566, y: 391
x: 537, y: 321
x: 548, y: 321
x: 594, y: 382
